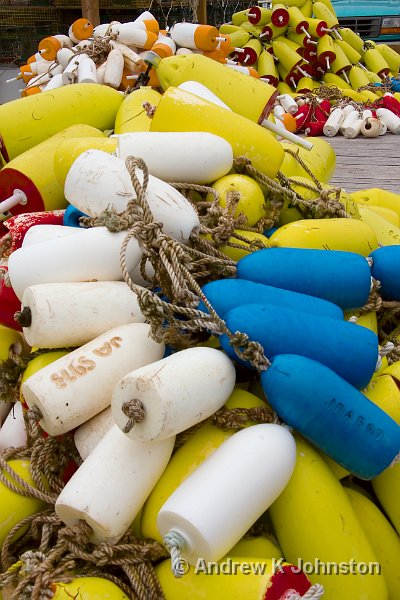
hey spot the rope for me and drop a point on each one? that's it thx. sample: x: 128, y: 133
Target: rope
x: 297, y: 157
x: 374, y: 302
x: 23, y: 317
x: 134, y: 410
x: 5, y: 277
x: 315, y: 592
x: 16, y: 483
x: 5, y: 245
x: 64, y: 551
x: 175, y: 543
x: 175, y: 273
x: 321, y: 207
x: 238, y: 418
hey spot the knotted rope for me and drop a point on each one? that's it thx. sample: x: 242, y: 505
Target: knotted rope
x: 178, y: 271
x: 388, y: 315
x: 315, y: 592
x: 65, y: 553
x: 324, y: 206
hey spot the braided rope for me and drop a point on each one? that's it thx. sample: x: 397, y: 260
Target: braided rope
x: 315, y: 592
x: 176, y: 260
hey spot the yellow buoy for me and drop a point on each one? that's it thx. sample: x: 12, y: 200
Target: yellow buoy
x: 349, y: 235
x: 29, y: 121
x: 70, y: 149
x: 179, y: 110
x: 131, y: 115
x: 32, y: 172
x: 244, y: 95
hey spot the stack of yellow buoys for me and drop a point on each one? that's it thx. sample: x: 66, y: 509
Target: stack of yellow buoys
x: 199, y: 392
x: 297, y: 48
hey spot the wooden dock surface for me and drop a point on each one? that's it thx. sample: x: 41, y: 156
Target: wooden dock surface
x: 364, y: 163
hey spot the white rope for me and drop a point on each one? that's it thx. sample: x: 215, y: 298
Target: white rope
x: 315, y: 592
x: 175, y: 543
x: 386, y: 349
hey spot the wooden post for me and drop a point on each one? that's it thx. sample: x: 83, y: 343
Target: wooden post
x: 90, y: 11
x: 202, y: 12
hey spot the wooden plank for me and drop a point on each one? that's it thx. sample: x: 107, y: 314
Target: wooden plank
x: 91, y: 11
x: 365, y: 163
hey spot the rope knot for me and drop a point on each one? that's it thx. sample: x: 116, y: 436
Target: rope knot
x: 249, y: 350
x: 150, y: 109
x: 134, y: 410
x: 78, y: 534
x: 30, y: 560
x: 103, y: 554
x: 241, y: 163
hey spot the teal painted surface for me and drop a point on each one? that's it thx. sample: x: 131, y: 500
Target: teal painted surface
x: 366, y: 8
x: 369, y: 8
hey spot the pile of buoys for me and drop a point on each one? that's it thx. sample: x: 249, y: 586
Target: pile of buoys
x: 199, y: 339
x: 296, y: 47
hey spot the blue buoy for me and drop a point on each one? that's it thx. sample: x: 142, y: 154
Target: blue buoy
x: 72, y: 216
x: 343, y: 278
x: 347, y: 348
x: 386, y: 268
x: 332, y: 415
x: 225, y: 294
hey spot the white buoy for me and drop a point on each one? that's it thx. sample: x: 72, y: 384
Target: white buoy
x: 100, y: 72
x: 37, y: 234
x: 110, y: 487
x: 79, y: 385
x: 133, y: 34
x: 214, y: 507
x: 41, y: 66
x: 54, y: 83
x: 190, y: 157
x: 382, y: 127
x: 288, y: 103
x: 64, y: 55
x: 279, y: 111
x: 70, y: 73
x: 13, y: 430
x: 114, y: 69
x: 97, y: 180
x: 335, y: 120
x: 87, y: 71
x: 193, y: 36
x: 371, y: 127
x: 39, y: 80
x: 88, y: 435
x: 391, y: 120
x: 350, y: 115
x: 352, y: 130
x: 89, y: 255
x: 42, y: 233
x: 101, y: 30
x: 72, y: 314
x: 132, y: 60
x: 173, y: 394
x: 64, y: 40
